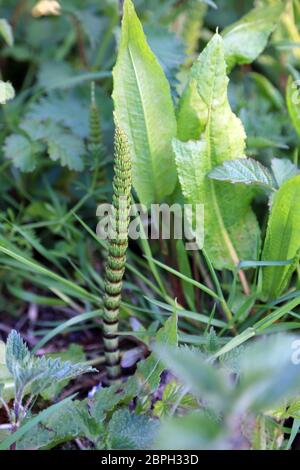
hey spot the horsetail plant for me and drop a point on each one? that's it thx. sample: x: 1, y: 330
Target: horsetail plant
x: 117, y: 246
x: 95, y: 140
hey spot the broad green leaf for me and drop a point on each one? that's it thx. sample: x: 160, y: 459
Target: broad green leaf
x: 231, y: 229
x: 247, y: 38
x: 282, y: 239
x: 191, y: 111
x: 243, y: 42
x: 293, y: 102
x: 6, y: 32
x: 243, y: 170
x: 7, y: 92
x: 283, y: 169
x: 144, y: 109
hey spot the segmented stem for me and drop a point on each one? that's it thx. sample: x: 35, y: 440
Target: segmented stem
x: 95, y: 138
x: 116, y: 259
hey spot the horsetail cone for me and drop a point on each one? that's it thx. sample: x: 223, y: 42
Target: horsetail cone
x: 95, y: 139
x: 116, y: 259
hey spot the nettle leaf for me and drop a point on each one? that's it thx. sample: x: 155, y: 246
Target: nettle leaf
x: 282, y: 241
x: 20, y: 150
x: 70, y: 422
x: 231, y: 229
x: 248, y: 37
x: 244, y: 170
x: 6, y: 32
x: 7, y: 92
x: 129, y: 431
x: 40, y: 373
x: 105, y: 401
x: 144, y: 109
x: 74, y: 354
x: 36, y: 374
x: 283, y: 169
x: 293, y: 102
x: 17, y: 353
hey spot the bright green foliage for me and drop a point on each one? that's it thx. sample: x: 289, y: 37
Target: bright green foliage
x: 243, y: 42
x: 247, y: 38
x: 244, y: 170
x: 231, y: 230
x: 117, y: 247
x: 282, y: 241
x: 191, y: 111
x: 293, y: 102
x: 144, y: 108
